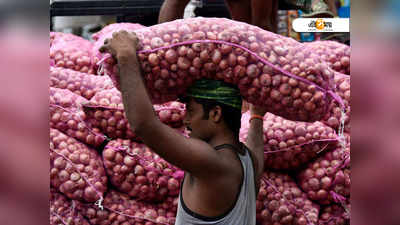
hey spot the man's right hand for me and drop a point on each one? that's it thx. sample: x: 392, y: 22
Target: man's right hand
x: 122, y: 46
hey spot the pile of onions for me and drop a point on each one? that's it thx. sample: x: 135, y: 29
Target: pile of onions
x: 120, y: 209
x: 63, y: 211
x: 72, y: 52
x: 289, y: 144
x: 135, y: 170
x: 56, y: 37
x: 75, y: 169
x: 106, y: 112
x: 334, y: 215
x: 334, y: 115
x: 82, y: 84
x: 66, y: 115
x: 335, y: 54
x: 327, y: 180
x: 172, y: 56
x: 280, y: 201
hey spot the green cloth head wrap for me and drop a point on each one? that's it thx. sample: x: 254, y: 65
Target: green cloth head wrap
x: 216, y: 90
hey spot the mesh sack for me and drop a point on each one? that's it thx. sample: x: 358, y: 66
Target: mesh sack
x: 280, y: 201
x: 115, y: 27
x: 75, y: 169
x: 338, y: 114
x: 63, y: 211
x: 135, y: 170
x: 82, y: 84
x: 106, y: 32
x: 56, y: 37
x: 120, y: 209
x: 66, y: 115
x: 335, y: 215
x: 290, y: 144
x: 335, y: 54
x: 106, y: 112
x: 72, y: 52
x: 270, y: 70
x: 327, y: 180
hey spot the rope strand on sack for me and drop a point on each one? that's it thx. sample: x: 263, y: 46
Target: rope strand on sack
x: 310, y: 142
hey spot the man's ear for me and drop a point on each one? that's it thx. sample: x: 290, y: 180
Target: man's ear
x: 216, y: 114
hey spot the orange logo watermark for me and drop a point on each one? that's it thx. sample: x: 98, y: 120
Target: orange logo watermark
x: 320, y: 24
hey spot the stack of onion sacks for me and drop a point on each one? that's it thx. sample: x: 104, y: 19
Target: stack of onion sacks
x: 135, y: 170
x: 289, y: 144
x: 270, y: 70
x: 75, y: 169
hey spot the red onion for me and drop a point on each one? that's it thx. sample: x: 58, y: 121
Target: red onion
x: 75, y: 169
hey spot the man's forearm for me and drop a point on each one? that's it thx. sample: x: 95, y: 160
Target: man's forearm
x: 172, y: 10
x: 137, y: 104
x: 255, y: 141
x: 255, y: 137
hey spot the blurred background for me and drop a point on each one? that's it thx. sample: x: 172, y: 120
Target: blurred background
x: 24, y: 164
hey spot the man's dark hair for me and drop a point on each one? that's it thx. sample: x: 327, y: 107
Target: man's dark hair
x: 232, y: 116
